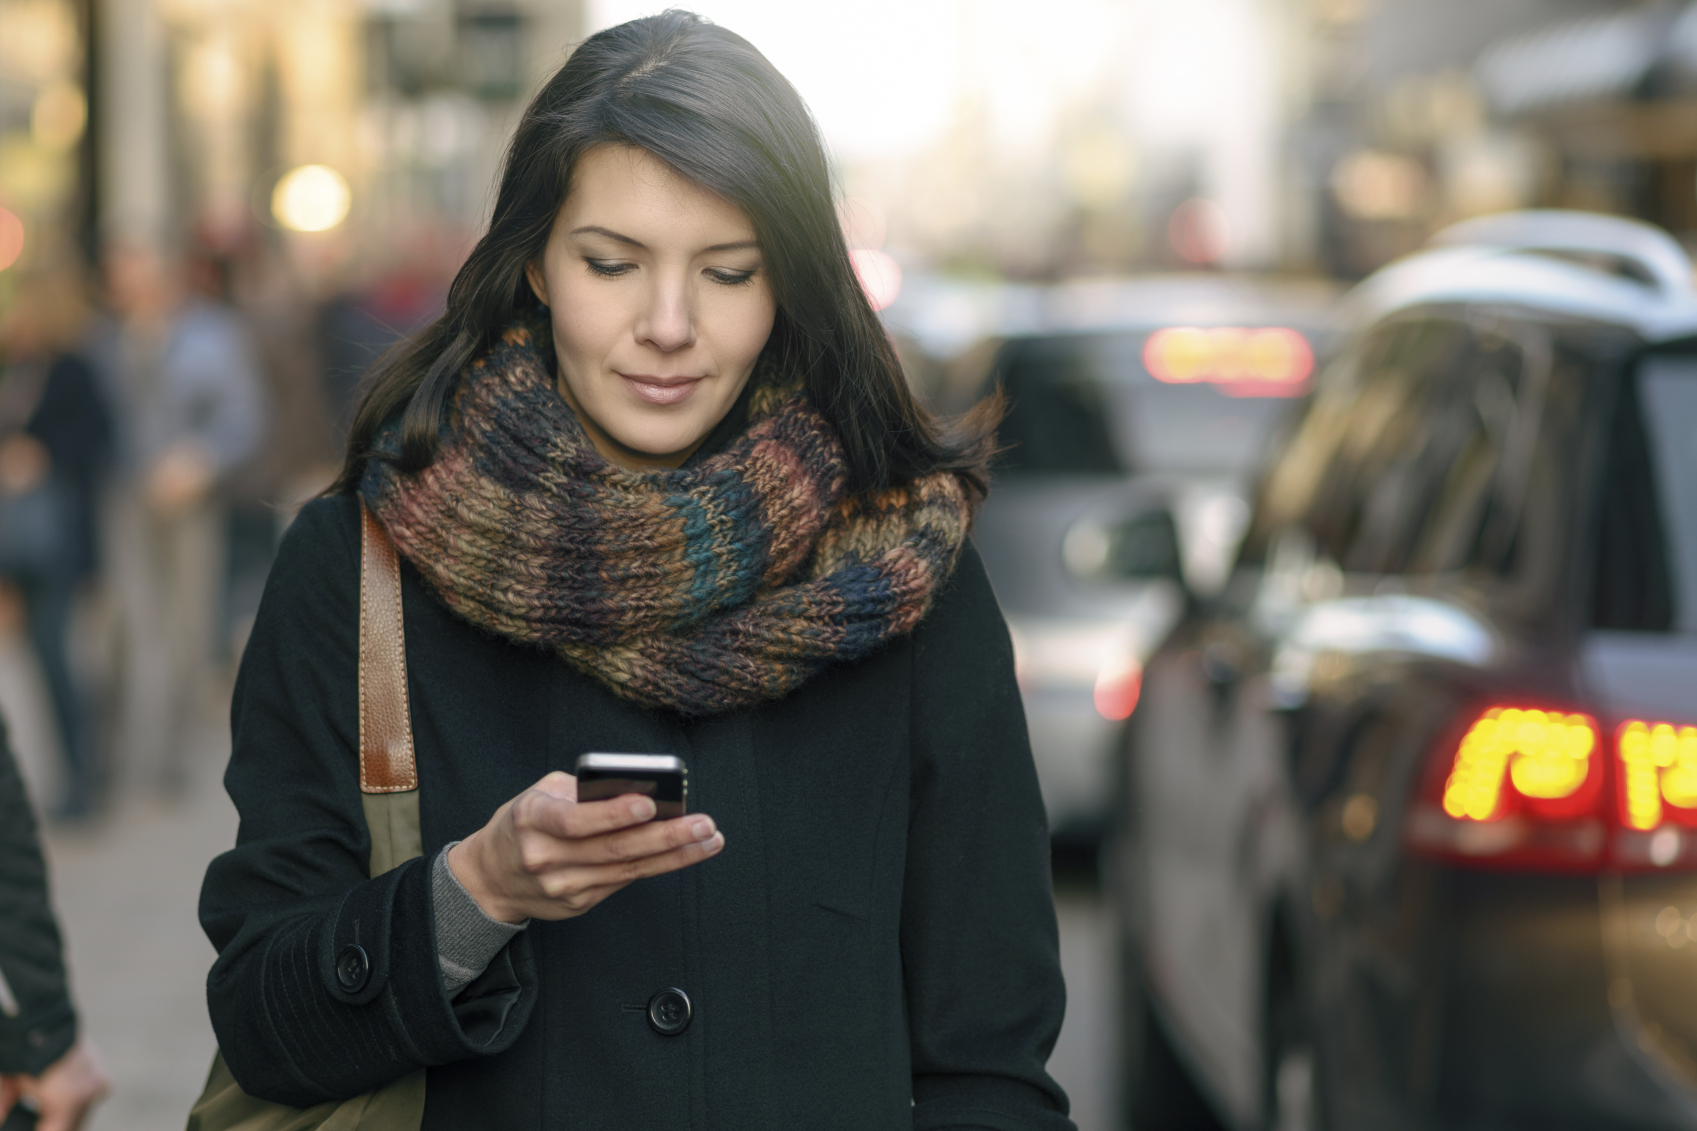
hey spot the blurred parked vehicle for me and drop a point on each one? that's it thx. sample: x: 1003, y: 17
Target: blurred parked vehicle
x: 1410, y: 810
x: 1125, y: 396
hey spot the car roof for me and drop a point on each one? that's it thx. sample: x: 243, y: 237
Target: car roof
x: 1584, y: 265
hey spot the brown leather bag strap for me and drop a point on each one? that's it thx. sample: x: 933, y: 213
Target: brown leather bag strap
x: 386, y: 760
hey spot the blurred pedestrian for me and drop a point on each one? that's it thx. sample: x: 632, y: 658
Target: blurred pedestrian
x: 658, y: 485
x: 45, y: 1066
x: 55, y: 447
x: 187, y: 394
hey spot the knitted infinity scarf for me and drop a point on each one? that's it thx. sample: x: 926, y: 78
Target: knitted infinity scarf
x: 702, y: 590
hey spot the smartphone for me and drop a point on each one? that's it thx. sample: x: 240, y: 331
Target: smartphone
x: 663, y: 777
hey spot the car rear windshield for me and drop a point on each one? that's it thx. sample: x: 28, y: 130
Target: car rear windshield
x: 1088, y: 404
x: 1667, y: 403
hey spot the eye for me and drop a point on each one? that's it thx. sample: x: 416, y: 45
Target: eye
x: 731, y: 278
x: 608, y: 268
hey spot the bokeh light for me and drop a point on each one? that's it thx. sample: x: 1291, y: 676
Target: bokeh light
x: 1198, y: 231
x: 59, y: 115
x: 311, y: 198
x: 880, y: 275
x: 1272, y: 355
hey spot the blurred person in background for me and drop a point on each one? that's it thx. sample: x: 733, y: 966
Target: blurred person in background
x: 185, y: 384
x: 55, y: 446
x: 297, y: 455
x: 45, y: 1066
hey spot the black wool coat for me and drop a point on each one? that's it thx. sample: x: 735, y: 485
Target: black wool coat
x: 875, y: 947
x: 37, y: 1023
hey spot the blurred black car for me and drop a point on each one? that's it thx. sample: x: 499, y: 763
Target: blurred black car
x: 1408, y: 817
x: 1126, y: 397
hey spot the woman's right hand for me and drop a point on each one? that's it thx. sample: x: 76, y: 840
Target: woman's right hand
x: 545, y: 856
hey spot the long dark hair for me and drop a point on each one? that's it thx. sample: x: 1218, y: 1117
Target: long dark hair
x: 704, y: 101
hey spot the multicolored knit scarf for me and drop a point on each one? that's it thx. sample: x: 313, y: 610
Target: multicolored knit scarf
x: 701, y: 590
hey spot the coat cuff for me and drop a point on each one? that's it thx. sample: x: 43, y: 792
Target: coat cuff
x: 983, y: 1103
x: 355, y: 998
x: 32, y: 1043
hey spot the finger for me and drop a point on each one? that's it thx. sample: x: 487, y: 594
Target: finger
x: 627, y: 871
x: 58, y: 1117
x: 646, y: 840
x: 575, y: 820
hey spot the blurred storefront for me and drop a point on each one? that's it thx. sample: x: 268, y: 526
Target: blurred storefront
x: 1612, y: 99
x: 171, y: 121
x: 1432, y: 111
x: 46, y: 158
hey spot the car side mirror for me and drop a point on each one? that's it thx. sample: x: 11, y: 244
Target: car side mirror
x: 1139, y: 547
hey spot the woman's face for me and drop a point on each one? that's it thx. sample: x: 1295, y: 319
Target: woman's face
x: 660, y: 305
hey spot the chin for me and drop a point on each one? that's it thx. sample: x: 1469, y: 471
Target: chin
x: 658, y: 446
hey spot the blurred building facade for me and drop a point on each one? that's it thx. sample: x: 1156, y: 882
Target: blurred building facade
x: 164, y: 121
x: 1430, y: 111
x: 1081, y: 137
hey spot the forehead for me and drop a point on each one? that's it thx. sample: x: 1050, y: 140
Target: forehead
x: 623, y: 186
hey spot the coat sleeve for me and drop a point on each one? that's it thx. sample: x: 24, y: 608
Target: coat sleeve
x: 979, y: 944
x: 37, y: 1023
x: 292, y: 896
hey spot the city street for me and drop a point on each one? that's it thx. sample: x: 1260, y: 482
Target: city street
x: 126, y: 895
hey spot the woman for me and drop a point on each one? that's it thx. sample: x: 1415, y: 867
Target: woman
x: 658, y: 488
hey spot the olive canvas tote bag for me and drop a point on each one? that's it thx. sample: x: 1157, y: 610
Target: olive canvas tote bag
x: 388, y: 781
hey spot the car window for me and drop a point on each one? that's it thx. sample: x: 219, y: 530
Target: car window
x: 1087, y: 404
x: 1647, y: 563
x: 1485, y: 404
x: 1362, y: 468
x: 1410, y: 418
x: 1418, y: 450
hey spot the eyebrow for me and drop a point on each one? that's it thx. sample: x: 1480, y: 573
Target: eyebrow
x: 598, y: 230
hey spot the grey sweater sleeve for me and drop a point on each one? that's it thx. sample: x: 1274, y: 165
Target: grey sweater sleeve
x: 467, y: 939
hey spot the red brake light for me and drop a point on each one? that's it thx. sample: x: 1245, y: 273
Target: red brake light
x: 1529, y: 787
x: 1658, y: 773
x: 1521, y: 788
x: 1117, y: 687
x: 1512, y: 758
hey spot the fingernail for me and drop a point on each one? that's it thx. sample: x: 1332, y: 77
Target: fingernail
x: 713, y: 845
x: 642, y: 809
x: 702, y: 827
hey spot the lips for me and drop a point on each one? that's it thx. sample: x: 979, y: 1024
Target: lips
x: 660, y: 390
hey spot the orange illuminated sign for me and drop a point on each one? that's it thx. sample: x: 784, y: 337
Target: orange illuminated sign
x: 1272, y: 361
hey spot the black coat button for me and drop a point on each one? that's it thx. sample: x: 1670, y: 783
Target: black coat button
x: 353, y: 968
x: 669, y: 1012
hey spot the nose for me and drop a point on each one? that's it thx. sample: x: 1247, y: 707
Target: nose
x: 667, y: 321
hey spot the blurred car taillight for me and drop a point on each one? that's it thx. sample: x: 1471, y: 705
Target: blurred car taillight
x: 1534, y: 788
x: 1118, y: 686
x: 1272, y: 361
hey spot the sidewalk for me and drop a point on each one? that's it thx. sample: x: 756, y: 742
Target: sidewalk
x: 126, y: 895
